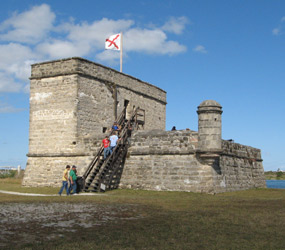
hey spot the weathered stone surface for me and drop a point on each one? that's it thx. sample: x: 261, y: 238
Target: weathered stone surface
x: 210, y: 125
x: 150, y: 166
x: 73, y: 100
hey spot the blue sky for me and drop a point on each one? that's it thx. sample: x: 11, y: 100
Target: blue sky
x: 228, y: 51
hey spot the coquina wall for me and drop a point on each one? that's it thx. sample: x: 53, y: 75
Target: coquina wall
x: 240, y: 168
x: 72, y: 99
x: 165, y: 160
x: 169, y: 160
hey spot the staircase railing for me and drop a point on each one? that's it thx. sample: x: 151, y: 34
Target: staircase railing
x: 111, y: 164
x: 119, y: 120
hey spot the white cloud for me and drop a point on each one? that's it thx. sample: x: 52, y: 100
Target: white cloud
x: 85, y: 38
x: 98, y: 31
x: 15, y: 66
x: 279, y: 30
x: 200, y: 49
x: 26, y: 88
x: 175, y: 25
x: 14, y: 52
x: 28, y: 27
x: 151, y: 41
x: 112, y: 57
x: 27, y: 38
x: 135, y: 39
x: 21, y: 70
x: 276, y: 31
x: 8, y: 84
x: 6, y: 108
x: 62, y: 49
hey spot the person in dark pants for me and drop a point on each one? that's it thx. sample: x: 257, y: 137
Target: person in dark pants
x: 65, y: 181
x: 73, y: 178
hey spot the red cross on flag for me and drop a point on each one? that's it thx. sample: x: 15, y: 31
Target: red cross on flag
x: 113, y: 42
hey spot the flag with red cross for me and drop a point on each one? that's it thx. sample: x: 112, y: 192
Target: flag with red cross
x: 113, y: 42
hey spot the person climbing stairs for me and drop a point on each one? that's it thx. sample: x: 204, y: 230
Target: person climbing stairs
x: 105, y: 174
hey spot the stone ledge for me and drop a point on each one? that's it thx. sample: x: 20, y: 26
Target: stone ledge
x: 242, y: 157
x: 77, y: 68
x: 58, y: 155
x: 92, y: 63
x: 76, y: 72
x: 160, y: 152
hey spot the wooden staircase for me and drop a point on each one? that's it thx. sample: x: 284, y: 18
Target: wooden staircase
x: 102, y: 175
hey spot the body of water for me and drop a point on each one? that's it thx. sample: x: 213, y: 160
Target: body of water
x: 275, y: 183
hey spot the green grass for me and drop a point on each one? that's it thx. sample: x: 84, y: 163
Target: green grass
x: 270, y: 175
x: 8, y: 174
x: 14, y: 185
x: 252, y: 219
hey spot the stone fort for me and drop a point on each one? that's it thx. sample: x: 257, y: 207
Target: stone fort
x: 73, y: 104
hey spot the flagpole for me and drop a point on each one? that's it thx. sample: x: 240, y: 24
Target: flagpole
x: 121, y: 53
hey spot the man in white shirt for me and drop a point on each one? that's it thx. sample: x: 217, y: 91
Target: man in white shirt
x: 113, y: 141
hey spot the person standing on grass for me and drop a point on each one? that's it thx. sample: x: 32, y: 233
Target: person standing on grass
x: 65, y: 181
x: 73, y: 178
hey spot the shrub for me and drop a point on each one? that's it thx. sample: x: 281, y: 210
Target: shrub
x: 8, y: 174
x: 279, y: 174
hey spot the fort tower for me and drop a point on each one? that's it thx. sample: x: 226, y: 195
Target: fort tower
x: 210, y: 126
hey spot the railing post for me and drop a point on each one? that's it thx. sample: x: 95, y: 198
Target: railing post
x: 19, y: 170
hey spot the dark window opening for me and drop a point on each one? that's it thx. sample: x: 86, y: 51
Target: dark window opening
x: 104, y: 129
x: 126, y: 102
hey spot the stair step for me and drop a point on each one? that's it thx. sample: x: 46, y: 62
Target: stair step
x: 109, y: 171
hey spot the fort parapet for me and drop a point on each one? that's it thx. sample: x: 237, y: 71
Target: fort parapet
x: 170, y: 161
x: 73, y: 103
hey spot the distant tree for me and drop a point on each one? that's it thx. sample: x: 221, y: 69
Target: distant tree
x: 8, y: 174
x: 279, y: 173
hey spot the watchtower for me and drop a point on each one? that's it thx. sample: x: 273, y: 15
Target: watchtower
x: 209, y: 130
x: 210, y: 126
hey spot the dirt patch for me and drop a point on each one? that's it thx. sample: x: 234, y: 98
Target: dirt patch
x: 29, y: 222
